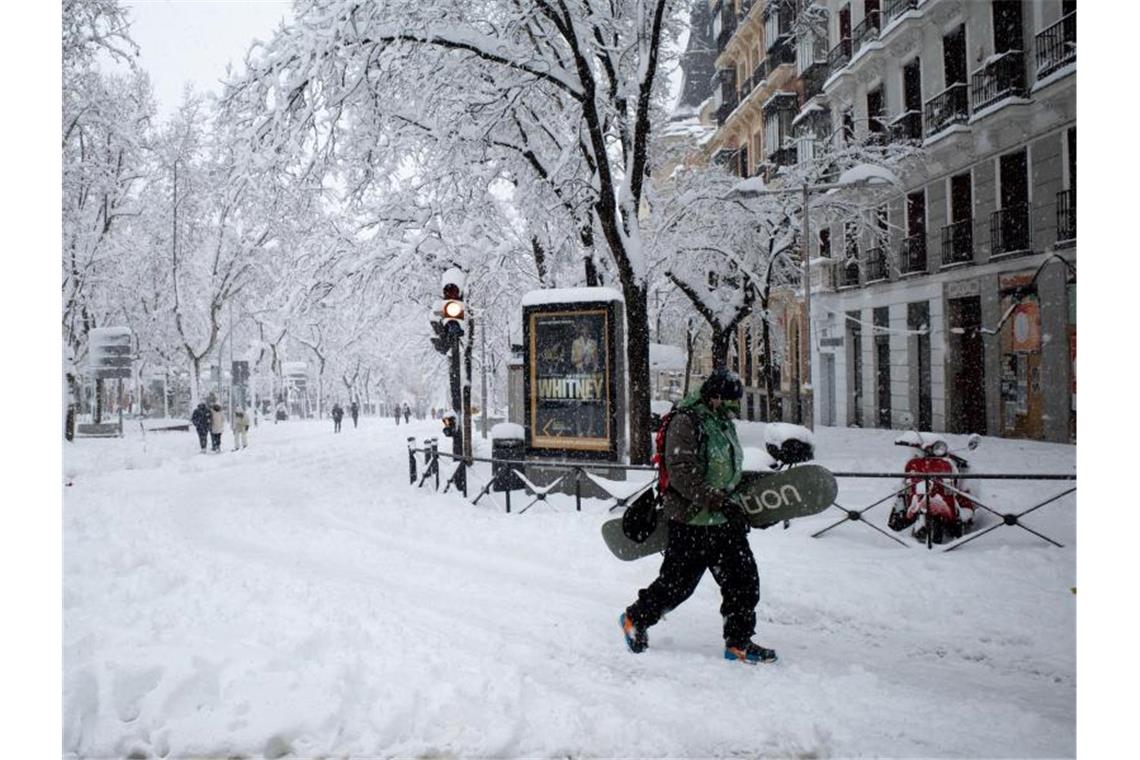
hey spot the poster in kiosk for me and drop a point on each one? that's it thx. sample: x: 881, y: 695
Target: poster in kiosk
x: 574, y: 379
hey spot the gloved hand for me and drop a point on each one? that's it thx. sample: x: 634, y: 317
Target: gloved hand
x: 734, y: 514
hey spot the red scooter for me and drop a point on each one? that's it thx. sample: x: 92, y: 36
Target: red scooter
x: 939, y: 509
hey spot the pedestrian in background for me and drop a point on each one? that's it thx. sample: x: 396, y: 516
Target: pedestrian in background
x: 337, y: 415
x: 241, y: 428
x: 201, y: 421
x: 354, y: 408
x: 217, y: 426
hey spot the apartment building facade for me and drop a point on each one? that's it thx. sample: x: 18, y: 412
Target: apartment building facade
x: 964, y: 320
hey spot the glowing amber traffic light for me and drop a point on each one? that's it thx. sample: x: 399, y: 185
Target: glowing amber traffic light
x: 453, y: 309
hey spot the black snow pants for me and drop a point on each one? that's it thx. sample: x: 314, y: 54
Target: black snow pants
x: 202, y: 437
x: 691, y: 550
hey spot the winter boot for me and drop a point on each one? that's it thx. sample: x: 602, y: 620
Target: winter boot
x: 749, y: 653
x: 635, y: 636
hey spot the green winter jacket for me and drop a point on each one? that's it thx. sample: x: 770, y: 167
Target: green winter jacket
x: 702, y: 467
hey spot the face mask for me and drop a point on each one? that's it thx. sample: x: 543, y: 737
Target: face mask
x: 730, y: 409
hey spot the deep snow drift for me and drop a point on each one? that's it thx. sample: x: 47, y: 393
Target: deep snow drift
x: 300, y: 599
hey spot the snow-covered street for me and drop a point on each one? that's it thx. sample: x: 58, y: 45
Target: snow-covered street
x: 300, y: 599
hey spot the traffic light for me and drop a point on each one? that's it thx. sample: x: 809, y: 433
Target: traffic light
x: 449, y: 325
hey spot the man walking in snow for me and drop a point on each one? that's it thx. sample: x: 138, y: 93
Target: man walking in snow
x: 201, y: 421
x: 707, y: 530
x: 337, y: 415
x: 354, y: 408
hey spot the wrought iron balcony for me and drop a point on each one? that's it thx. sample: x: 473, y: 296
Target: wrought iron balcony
x: 839, y: 56
x: 1003, y: 77
x: 895, y: 8
x: 760, y: 73
x: 958, y: 242
x: 866, y: 30
x: 723, y: 23
x: 848, y: 273
x: 912, y: 254
x: 785, y: 156
x: 1067, y: 215
x: 1057, y: 45
x: 876, y: 264
x: 907, y: 127
x: 949, y: 107
x: 1009, y: 229
x: 726, y: 108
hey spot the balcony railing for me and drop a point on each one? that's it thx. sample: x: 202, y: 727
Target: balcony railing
x: 1067, y: 215
x: 951, y: 106
x: 876, y: 264
x: 907, y: 127
x: 839, y: 56
x: 726, y: 108
x: 912, y: 254
x: 958, y: 242
x: 1009, y: 229
x: 848, y: 274
x: 785, y: 156
x: 895, y: 8
x: 866, y: 30
x: 723, y: 24
x: 1003, y: 77
x: 760, y: 73
x: 1057, y: 45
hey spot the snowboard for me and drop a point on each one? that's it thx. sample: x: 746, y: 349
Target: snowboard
x: 766, y: 497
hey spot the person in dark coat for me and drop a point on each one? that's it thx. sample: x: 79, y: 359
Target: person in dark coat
x: 707, y: 529
x: 354, y: 409
x: 407, y: 412
x: 337, y: 415
x: 200, y: 418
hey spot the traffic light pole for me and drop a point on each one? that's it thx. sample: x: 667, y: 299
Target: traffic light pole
x: 468, y: 436
x: 457, y: 405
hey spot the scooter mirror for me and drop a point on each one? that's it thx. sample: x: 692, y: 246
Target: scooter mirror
x: 973, y: 441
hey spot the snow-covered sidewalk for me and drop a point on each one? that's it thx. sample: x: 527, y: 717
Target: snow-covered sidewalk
x: 300, y: 599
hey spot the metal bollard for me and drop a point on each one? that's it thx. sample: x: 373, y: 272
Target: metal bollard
x: 578, y: 488
x: 412, y: 459
x: 435, y: 460
x: 508, y: 501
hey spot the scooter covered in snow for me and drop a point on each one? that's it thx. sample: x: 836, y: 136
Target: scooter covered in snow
x: 936, y: 508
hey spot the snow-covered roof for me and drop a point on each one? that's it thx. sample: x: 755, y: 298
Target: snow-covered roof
x: 570, y: 295
x: 664, y: 357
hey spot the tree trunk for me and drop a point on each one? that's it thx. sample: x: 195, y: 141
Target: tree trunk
x: 637, y: 366
x: 690, y: 339
x: 766, y: 358
x: 721, y: 340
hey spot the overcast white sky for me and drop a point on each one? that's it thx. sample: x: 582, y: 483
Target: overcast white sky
x: 191, y: 41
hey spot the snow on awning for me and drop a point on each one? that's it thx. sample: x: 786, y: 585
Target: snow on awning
x: 570, y: 295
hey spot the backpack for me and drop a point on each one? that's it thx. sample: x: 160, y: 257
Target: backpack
x: 640, y: 518
x: 659, y: 445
